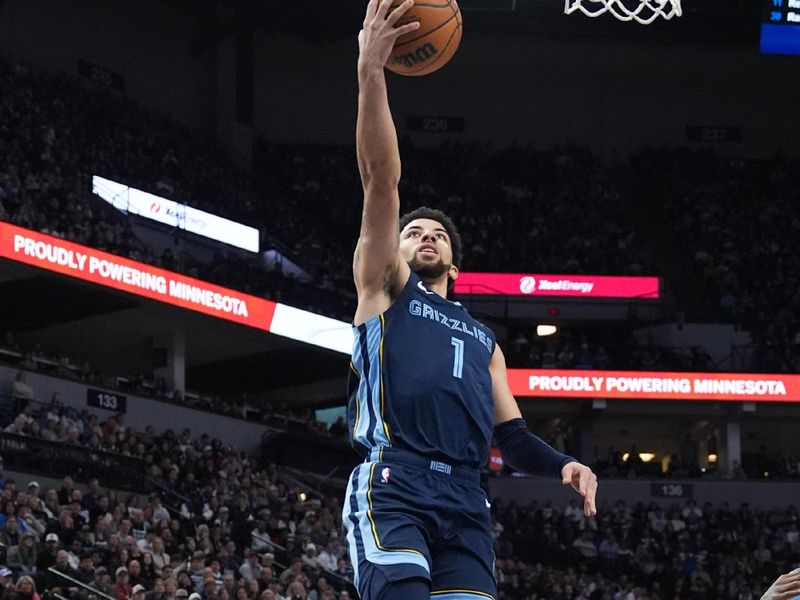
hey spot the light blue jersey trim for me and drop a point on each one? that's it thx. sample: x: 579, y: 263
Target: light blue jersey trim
x: 351, y: 536
x: 374, y: 339
x: 370, y: 386
x: 369, y: 535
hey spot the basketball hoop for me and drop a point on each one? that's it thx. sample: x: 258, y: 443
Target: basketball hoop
x: 641, y: 11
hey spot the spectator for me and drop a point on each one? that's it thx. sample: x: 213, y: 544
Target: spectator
x: 122, y: 588
x: 47, y: 558
x: 148, y: 569
x: 609, y: 549
x: 25, y: 588
x: 329, y: 557
x: 7, y: 588
x: 27, y: 521
x: 18, y: 427
x: 22, y: 559
x: 195, y: 570
x: 251, y: 567
x: 310, y: 558
x: 135, y: 573
x: 260, y: 538
x: 585, y: 546
x: 138, y: 592
x: 102, y: 582
x: 160, y: 556
x: 61, y: 585
x: 21, y: 389
x: 9, y: 535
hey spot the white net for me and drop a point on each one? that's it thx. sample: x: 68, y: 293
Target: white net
x: 641, y: 11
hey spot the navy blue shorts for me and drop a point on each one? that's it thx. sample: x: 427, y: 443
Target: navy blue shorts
x: 407, y: 516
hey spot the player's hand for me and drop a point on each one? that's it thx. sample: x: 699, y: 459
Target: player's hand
x: 786, y: 587
x: 377, y: 38
x: 583, y: 481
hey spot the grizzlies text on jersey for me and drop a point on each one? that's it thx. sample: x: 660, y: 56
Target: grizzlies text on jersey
x: 420, y: 380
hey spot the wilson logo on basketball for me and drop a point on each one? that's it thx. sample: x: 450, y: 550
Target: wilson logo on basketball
x: 420, y: 55
x: 527, y: 284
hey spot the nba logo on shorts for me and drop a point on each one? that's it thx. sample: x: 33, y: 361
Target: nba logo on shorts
x: 385, y: 474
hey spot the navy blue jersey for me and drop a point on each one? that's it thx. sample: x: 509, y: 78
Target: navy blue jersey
x: 420, y: 380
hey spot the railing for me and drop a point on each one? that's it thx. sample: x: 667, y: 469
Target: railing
x: 55, y: 459
x: 282, y: 566
x: 145, y: 389
x: 168, y: 499
x: 76, y: 583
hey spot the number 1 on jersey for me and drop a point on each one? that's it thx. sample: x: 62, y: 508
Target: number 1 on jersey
x: 458, y: 359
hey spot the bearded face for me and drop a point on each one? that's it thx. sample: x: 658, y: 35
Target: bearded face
x: 425, y: 245
x: 427, y: 269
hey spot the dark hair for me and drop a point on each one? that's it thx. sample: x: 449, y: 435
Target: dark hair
x: 426, y: 212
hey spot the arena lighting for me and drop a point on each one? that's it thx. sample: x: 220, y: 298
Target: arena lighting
x: 712, y: 458
x: 175, y: 214
x: 643, y: 456
x: 302, y: 496
x: 545, y: 330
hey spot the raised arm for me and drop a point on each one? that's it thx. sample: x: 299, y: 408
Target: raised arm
x: 786, y: 587
x: 377, y: 265
x: 527, y: 452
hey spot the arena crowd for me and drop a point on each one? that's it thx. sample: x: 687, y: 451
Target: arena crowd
x: 241, y: 530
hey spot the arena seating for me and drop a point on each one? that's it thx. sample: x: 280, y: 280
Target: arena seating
x: 56, y: 135
x: 225, y: 525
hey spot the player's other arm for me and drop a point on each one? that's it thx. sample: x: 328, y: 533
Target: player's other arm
x: 527, y: 452
x: 377, y: 263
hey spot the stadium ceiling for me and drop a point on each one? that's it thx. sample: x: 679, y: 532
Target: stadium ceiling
x: 115, y: 332
x: 321, y: 21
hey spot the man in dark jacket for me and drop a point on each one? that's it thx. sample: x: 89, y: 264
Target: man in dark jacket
x: 58, y: 584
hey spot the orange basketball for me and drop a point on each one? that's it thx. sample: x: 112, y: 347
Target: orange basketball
x: 432, y: 45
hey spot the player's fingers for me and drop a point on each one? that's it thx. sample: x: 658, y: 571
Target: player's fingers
x: 591, y: 494
x: 398, y: 12
x: 407, y: 28
x: 566, y: 475
x: 372, y: 6
x: 583, y: 483
x: 789, y: 579
x: 786, y: 587
x: 383, y: 8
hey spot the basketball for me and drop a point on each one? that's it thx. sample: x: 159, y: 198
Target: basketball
x: 431, y: 46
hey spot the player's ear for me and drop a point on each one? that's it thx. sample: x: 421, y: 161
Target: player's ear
x: 453, y: 272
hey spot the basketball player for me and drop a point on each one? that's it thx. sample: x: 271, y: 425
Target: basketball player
x: 428, y: 386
